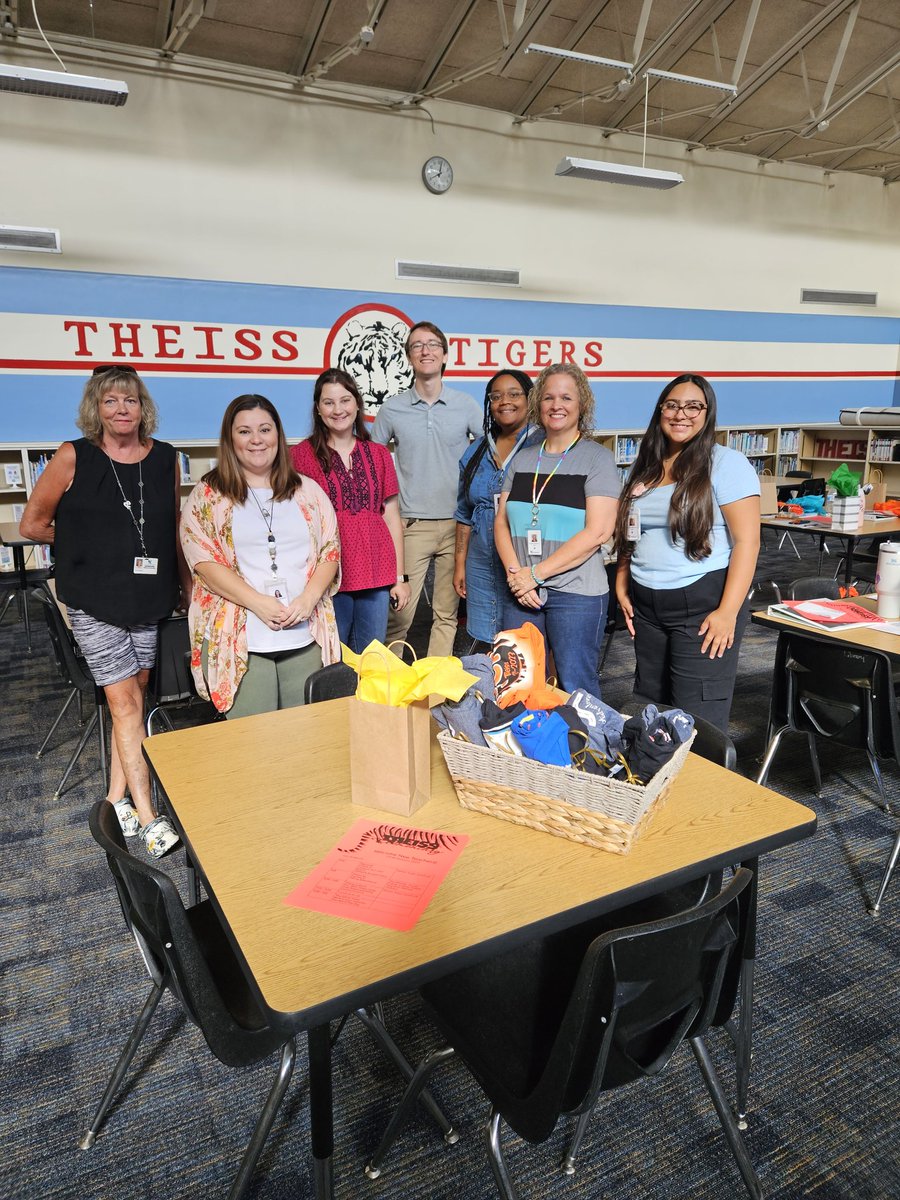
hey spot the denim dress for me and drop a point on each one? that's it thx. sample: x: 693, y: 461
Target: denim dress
x: 485, y: 576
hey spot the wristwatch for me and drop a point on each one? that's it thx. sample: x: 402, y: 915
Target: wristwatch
x: 402, y: 579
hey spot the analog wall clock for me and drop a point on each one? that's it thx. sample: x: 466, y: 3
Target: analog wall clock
x: 437, y: 175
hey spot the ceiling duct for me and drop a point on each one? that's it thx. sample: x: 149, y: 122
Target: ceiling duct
x: 610, y: 172
x: 19, y: 237
x: 62, y: 85
x: 446, y: 274
x: 831, y: 296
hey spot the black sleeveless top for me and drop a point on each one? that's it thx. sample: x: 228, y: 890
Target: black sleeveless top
x: 96, y: 542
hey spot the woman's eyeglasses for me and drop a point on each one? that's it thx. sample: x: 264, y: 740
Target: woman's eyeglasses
x: 496, y: 397
x: 122, y: 368
x: 692, y: 409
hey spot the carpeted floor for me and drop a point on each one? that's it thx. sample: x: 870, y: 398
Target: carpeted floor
x: 824, y: 1098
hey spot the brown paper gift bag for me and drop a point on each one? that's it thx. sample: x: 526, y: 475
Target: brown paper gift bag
x: 390, y: 756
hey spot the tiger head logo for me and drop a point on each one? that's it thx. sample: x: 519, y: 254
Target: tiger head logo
x: 369, y: 343
x: 509, y: 665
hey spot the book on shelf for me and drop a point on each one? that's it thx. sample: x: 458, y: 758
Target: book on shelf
x: 827, y: 614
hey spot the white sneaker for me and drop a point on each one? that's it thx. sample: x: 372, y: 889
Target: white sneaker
x: 159, y: 837
x: 128, y: 818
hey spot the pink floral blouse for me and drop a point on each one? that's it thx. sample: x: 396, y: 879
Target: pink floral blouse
x: 206, y: 537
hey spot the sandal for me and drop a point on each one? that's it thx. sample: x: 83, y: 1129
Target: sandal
x: 128, y: 818
x: 159, y: 837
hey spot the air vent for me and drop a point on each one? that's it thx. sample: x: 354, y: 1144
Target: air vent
x: 18, y: 237
x: 827, y: 296
x: 444, y: 274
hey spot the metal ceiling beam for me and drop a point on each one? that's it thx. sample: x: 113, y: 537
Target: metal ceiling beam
x: 523, y: 33
x: 870, y: 142
x: 546, y: 73
x: 188, y: 20
x: 773, y: 65
x: 749, y: 26
x: 451, y: 32
x: 165, y: 15
x: 311, y: 38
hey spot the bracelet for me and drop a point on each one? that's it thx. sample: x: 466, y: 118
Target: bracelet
x: 537, y: 582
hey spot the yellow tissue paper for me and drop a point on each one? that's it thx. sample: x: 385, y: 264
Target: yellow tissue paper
x: 386, y: 679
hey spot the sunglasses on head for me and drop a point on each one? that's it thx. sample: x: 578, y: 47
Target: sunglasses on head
x: 122, y: 368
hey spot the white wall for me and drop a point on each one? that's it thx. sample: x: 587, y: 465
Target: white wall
x: 204, y: 181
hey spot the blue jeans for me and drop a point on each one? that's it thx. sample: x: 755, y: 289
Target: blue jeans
x: 572, y: 628
x: 362, y: 616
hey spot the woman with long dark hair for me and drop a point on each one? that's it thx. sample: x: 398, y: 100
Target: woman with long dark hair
x: 262, y: 543
x: 478, y: 575
x: 687, y: 538
x: 359, y: 478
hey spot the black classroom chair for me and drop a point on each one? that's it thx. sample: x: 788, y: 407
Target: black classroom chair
x: 814, y: 587
x: 330, y: 683
x: 546, y: 1028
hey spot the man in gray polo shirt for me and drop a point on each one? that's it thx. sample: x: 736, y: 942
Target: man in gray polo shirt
x: 430, y: 426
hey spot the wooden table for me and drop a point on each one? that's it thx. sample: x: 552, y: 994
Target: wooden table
x: 862, y: 636
x: 10, y: 536
x: 261, y: 801
x: 822, y: 529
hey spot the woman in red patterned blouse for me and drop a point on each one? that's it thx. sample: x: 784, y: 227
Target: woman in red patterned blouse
x: 360, y: 480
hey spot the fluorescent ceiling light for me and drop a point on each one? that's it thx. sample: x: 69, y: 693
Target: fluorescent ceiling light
x: 62, y: 85
x: 610, y: 172
x: 558, y: 52
x: 709, y: 83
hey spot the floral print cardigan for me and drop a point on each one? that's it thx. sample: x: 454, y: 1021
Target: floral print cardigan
x: 206, y: 537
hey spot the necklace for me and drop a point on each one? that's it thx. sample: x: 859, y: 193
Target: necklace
x: 269, y: 518
x: 138, y: 522
x: 535, y: 494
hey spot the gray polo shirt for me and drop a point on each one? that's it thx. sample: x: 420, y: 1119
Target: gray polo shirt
x: 429, y: 440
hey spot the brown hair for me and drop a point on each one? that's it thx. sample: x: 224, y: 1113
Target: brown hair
x: 585, y: 394
x: 228, y: 478
x: 88, y: 419
x: 318, y: 439
x: 691, y: 509
x: 438, y: 333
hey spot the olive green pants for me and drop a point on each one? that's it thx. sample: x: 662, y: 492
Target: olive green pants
x: 273, y: 681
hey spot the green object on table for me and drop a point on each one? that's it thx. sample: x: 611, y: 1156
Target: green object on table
x: 844, y: 481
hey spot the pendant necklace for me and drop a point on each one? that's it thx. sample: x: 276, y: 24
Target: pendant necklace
x: 138, y: 522
x: 535, y: 494
x: 268, y: 517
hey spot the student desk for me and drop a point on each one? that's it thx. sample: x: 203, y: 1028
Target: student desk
x: 822, y: 530
x: 260, y: 801
x: 10, y: 536
x: 861, y: 636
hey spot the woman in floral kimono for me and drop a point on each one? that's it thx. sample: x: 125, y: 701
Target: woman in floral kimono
x: 262, y: 543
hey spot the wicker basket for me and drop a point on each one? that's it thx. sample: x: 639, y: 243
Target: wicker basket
x: 591, y: 809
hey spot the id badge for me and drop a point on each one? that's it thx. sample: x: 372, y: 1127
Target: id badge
x: 534, y: 543
x: 496, y: 502
x: 278, y: 590
x: 633, y: 525
x: 146, y: 566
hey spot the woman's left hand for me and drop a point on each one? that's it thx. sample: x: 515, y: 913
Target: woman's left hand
x: 298, y: 611
x: 520, y: 581
x: 401, y: 593
x: 717, y: 632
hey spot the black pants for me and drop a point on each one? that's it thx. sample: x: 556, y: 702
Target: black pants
x: 670, y: 668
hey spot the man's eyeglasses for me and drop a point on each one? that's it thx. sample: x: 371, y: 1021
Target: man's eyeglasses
x: 692, y: 409
x: 496, y: 397
x: 418, y: 347
x: 122, y: 368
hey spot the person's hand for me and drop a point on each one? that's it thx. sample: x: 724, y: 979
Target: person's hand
x: 624, y: 599
x: 459, y: 580
x: 530, y: 599
x: 520, y: 581
x: 270, y: 611
x: 401, y: 593
x: 717, y: 632
x: 299, y: 610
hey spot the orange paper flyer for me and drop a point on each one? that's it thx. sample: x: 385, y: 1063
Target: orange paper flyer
x: 381, y: 874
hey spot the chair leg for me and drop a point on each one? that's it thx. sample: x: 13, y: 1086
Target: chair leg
x: 886, y: 878
x: 375, y: 1025
x: 101, y: 729
x: 770, y: 754
x: 6, y: 604
x: 53, y: 728
x: 122, y: 1065
x: 416, y: 1086
x: 814, y: 758
x: 264, y: 1124
x: 879, y: 779
x: 498, y: 1162
x: 581, y: 1125
x: 732, y: 1134
x: 82, y: 742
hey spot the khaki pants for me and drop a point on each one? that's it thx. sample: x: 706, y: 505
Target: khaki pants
x: 422, y: 542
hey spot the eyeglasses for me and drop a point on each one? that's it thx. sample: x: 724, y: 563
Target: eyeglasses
x: 692, y: 409
x: 418, y: 347
x: 122, y: 368
x: 496, y: 397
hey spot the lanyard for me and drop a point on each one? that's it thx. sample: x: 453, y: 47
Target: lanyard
x: 535, y: 494
x: 138, y: 522
x: 269, y: 519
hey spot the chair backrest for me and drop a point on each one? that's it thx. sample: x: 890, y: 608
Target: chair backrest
x: 798, y: 475
x: 330, y: 683
x: 764, y: 592
x: 814, y: 587
x: 186, y: 951
x: 171, y: 680
x: 838, y: 691
x: 639, y: 993
x: 74, y: 670
x: 812, y: 487
x: 713, y: 744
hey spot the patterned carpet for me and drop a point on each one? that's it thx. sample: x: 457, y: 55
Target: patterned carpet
x: 824, y: 1093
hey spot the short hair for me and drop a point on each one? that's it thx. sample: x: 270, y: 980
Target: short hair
x: 318, y: 439
x: 88, y: 419
x: 438, y: 333
x: 228, y: 478
x: 585, y: 394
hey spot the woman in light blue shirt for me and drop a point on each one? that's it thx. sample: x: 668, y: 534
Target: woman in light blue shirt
x: 478, y: 576
x: 687, y: 538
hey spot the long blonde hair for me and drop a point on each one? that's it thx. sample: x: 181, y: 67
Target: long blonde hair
x: 103, y: 381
